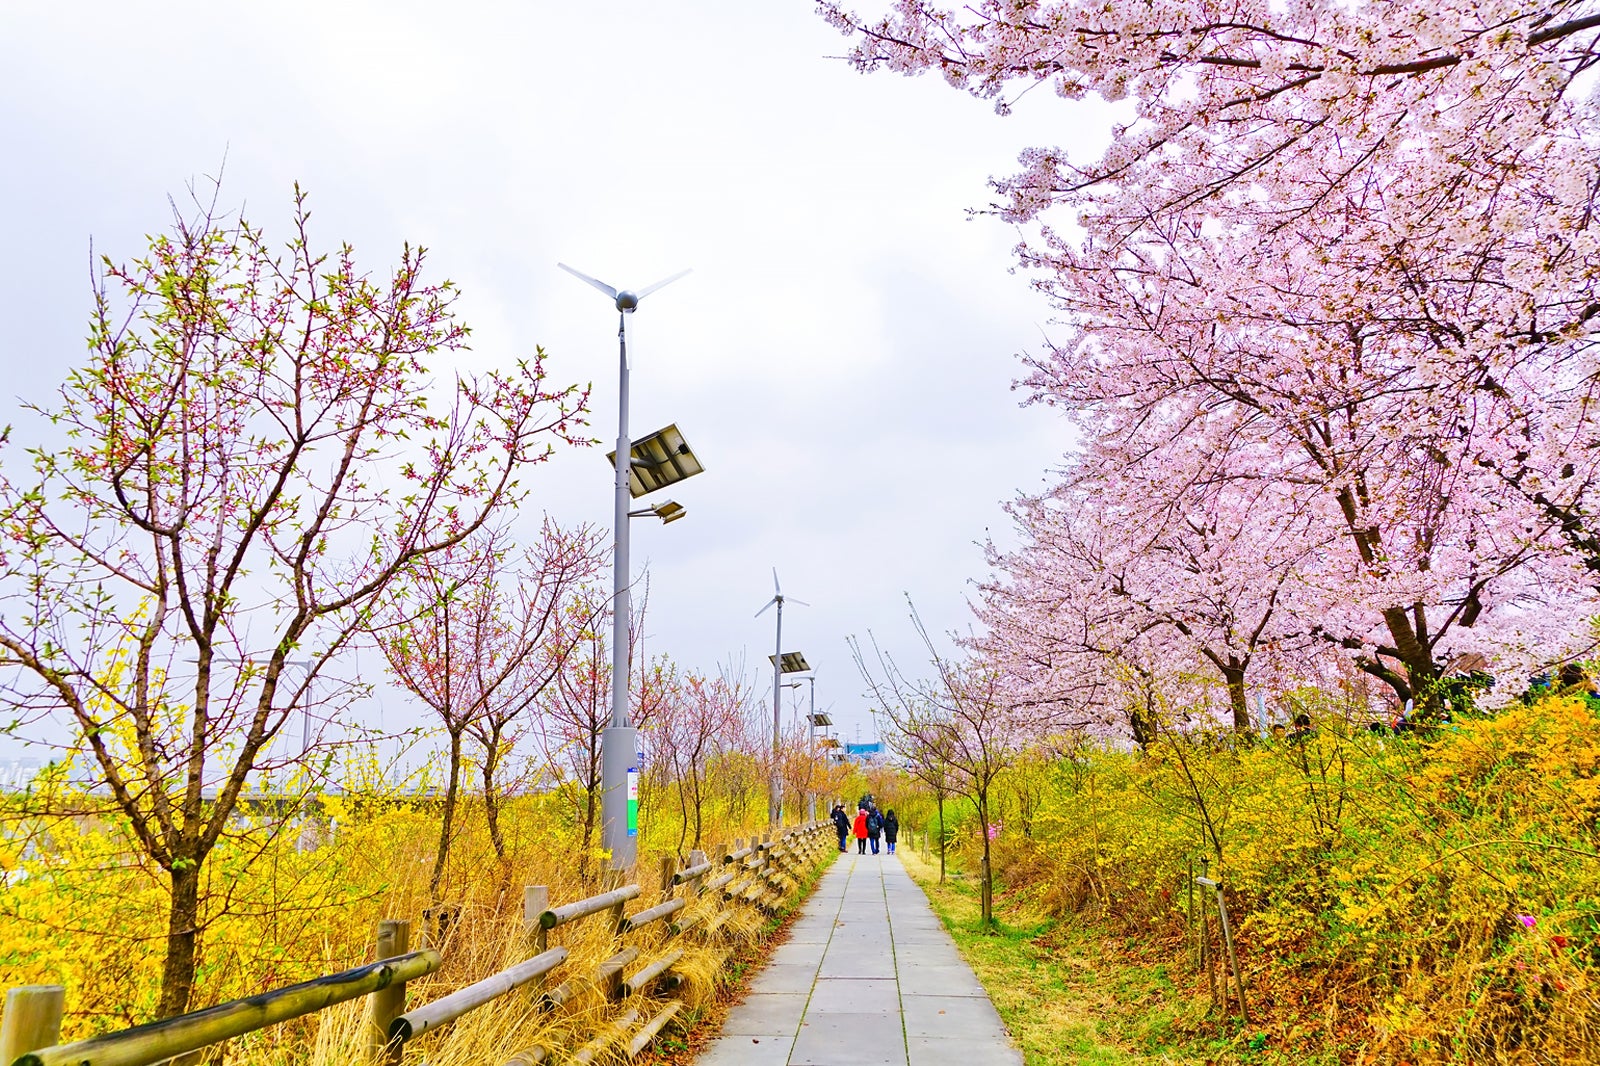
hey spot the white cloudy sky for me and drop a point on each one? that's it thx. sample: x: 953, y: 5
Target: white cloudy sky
x: 840, y: 358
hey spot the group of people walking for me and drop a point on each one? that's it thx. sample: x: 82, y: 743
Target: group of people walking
x: 868, y: 825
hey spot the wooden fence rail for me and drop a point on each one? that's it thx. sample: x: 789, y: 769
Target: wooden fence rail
x: 153, y: 1042
x: 775, y: 866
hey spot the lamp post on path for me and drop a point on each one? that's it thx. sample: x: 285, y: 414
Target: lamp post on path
x: 654, y: 462
x: 782, y: 663
x: 813, y: 719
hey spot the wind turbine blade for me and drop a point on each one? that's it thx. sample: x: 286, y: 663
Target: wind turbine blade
x: 663, y: 283
x: 764, y: 609
x: 791, y: 599
x: 777, y: 588
x: 580, y: 275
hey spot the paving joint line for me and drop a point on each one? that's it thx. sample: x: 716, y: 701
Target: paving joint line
x: 894, y: 955
x: 833, y: 929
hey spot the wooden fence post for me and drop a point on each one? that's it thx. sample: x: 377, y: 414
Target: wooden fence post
x: 32, y: 1021
x: 387, y: 1004
x: 721, y: 854
x: 535, y: 901
x: 1233, y: 958
x: 1189, y: 929
x: 619, y: 914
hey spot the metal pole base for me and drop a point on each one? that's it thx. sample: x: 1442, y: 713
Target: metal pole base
x: 619, y: 796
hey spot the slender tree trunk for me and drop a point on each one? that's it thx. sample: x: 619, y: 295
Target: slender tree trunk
x: 183, y: 939
x: 939, y: 799
x: 491, y: 800
x: 985, y: 870
x: 683, y: 815
x: 694, y: 776
x: 447, y: 822
x: 590, y: 795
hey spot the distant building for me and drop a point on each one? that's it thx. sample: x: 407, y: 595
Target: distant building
x: 17, y: 774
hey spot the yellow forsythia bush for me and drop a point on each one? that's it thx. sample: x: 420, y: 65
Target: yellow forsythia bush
x: 1446, y: 890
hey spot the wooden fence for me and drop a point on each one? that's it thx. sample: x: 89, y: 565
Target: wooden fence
x: 763, y: 875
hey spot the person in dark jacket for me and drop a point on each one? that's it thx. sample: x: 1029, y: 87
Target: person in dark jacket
x: 841, y: 823
x: 874, y: 828
x: 861, y: 831
x: 891, y: 830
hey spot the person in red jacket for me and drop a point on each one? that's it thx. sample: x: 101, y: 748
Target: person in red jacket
x: 861, y: 831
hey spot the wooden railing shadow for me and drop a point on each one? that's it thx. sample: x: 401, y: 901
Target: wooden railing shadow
x: 636, y: 977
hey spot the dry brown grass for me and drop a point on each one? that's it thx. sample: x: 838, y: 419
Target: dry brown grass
x: 317, y: 913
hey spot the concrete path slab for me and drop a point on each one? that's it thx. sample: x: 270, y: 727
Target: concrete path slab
x: 869, y: 977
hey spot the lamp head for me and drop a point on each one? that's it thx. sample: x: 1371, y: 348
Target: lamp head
x: 627, y: 300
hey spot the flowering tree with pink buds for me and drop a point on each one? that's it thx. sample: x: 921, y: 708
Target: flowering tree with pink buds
x: 255, y: 454
x: 575, y: 709
x: 962, y: 716
x: 472, y: 631
x: 697, y: 723
x: 1347, y: 248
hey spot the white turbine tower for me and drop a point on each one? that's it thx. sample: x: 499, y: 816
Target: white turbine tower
x: 774, y: 785
x: 619, y: 771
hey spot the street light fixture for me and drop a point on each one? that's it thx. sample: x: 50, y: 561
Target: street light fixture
x: 619, y: 768
x: 667, y: 510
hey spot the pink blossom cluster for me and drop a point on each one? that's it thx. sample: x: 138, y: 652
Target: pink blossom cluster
x: 1329, y: 311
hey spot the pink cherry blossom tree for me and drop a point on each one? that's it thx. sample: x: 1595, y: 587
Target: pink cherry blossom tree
x: 1349, y: 247
x: 256, y: 452
x: 1165, y: 567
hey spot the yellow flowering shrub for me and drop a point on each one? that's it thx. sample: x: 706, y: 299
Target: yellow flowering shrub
x: 1443, y: 892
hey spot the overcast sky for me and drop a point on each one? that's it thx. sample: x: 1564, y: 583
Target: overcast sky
x: 840, y: 359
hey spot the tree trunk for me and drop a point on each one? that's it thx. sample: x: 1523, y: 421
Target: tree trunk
x: 683, y: 815
x: 448, y: 820
x: 590, y: 791
x: 939, y: 799
x: 491, y: 801
x: 1233, y: 674
x: 694, y: 777
x: 1411, y: 640
x: 183, y: 939
x: 1142, y: 722
x: 985, y: 870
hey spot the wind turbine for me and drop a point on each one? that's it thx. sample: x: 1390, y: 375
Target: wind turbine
x: 774, y: 785
x: 619, y: 769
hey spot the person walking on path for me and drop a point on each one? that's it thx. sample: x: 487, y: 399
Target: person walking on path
x: 841, y: 823
x: 861, y: 832
x: 874, y: 827
x: 891, y: 830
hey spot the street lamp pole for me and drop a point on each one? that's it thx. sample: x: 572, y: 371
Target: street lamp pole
x: 811, y: 748
x: 619, y: 770
x: 792, y: 662
x: 775, y: 782
x: 619, y: 744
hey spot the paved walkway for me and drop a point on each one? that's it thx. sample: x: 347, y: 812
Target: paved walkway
x: 868, y: 977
